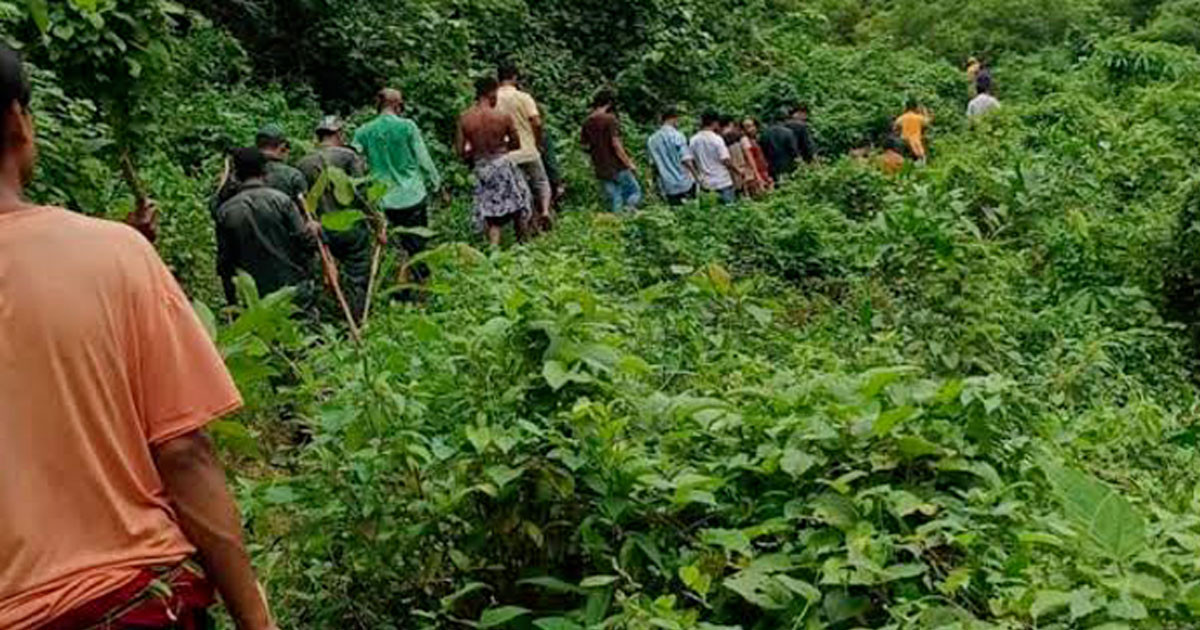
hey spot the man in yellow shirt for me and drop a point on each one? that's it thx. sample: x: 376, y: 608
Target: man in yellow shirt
x: 911, y: 126
x: 511, y: 101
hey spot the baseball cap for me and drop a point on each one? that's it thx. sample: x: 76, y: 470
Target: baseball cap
x: 272, y: 133
x: 330, y: 123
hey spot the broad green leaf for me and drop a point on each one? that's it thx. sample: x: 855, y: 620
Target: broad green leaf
x: 728, y: 539
x: 912, y: 447
x: 1126, y: 607
x: 597, y: 606
x: 796, y: 462
x: 496, y: 617
x: 1049, y: 601
x: 556, y: 374
x: 422, y: 232
x: 800, y: 587
x: 502, y: 475
x: 1147, y: 586
x: 696, y: 579
x: 598, y: 581
x: 343, y: 188
x: 341, y: 220
x: 760, y: 589
x: 835, y: 510
x: 957, y: 580
x: 312, y: 201
x: 449, y: 601
x: 1098, y: 513
x: 841, y: 605
x: 40, y: 14
x: 206, y: 317
x: 889, y: 419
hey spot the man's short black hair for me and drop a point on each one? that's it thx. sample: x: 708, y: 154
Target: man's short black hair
x: 14, y: 85
x: 249, y: 163
x: 485, y: 86
x: 709, y: 118
x: 604, y: 98
x: 726, y: 120
x: 800, y: 108
x: 507, y: 71
x: 670, y: 112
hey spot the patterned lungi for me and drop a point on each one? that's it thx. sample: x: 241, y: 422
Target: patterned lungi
x: 500, y: 191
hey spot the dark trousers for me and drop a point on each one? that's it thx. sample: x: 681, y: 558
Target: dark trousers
x: 352, y: 249
x: 412, y: 244
x: 681, y: 198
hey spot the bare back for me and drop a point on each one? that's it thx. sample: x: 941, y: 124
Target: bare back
x: 487, y: 132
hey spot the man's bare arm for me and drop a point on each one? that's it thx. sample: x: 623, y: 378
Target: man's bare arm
x: 539, y: 132
x: 195, y: 483
x: 622, y: 155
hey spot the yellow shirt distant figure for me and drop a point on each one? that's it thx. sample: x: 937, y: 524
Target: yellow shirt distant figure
x: 912, y: 126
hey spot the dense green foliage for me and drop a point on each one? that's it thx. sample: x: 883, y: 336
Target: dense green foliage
x: 960, y: 398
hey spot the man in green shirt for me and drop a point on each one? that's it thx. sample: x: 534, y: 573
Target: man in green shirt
x: 351, y: 248
x: 397, y: 157
x: 260, y: 231
x: 272, y: 142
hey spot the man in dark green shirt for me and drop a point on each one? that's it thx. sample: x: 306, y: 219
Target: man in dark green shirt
x: 351, y: 248
x: 260, y: 231
x: 272, y: 142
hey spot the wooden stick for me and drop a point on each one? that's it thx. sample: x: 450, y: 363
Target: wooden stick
x: 376, y: 258
x: 329, y: 266
x: 144, y: 217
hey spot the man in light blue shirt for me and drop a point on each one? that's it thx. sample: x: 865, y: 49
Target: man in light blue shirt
x: 673, y: 162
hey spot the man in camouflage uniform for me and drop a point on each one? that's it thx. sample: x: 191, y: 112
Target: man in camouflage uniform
x: 260, y: 231
x: 352, y: 247
x: 273, y: 143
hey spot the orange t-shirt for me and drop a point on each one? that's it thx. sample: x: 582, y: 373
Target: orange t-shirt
x: 912, y: 129
x: 101, y: 358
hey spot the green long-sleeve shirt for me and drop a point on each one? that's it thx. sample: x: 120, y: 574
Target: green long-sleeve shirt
x: 397, y: 155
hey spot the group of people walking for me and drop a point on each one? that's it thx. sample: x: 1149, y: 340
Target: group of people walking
x: 116, y: 512
x: 727, y: 157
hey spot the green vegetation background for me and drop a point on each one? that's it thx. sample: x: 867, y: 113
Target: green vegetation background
x: 962, y: 398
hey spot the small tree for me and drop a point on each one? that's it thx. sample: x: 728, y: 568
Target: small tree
x: 117, y: 53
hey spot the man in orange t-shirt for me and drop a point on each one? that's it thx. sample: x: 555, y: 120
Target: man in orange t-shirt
x: 912, y: 125
x: 107, y: 379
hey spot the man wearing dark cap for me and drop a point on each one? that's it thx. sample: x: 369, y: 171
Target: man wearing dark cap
x: 115, y: 511
x: 259, y: 231
x: 273, y: 143
x: 352, y: 247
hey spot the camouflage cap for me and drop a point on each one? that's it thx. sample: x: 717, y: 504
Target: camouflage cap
x: 331, y: 124
x: 271, y: 133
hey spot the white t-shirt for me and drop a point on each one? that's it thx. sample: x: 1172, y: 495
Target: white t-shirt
x: 711, y: 153
x: 981, y: 105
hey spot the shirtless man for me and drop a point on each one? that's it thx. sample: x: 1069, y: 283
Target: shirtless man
x: 485, y: 136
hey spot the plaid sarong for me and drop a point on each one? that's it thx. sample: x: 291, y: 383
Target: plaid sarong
x: 160, y: 598
x: 500, y: 191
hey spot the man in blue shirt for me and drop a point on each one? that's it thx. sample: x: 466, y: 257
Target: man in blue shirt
x: 673, y: 162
